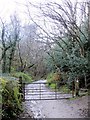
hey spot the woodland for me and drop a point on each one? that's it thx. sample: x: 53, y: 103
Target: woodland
x: 55, y: 46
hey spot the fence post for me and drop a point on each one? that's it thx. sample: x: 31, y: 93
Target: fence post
x: 73, y: 88
x: 77, y: 87
x: 55, y: 90
x: 20, y: 82
x: 22, y: 88
x: 23, y: 92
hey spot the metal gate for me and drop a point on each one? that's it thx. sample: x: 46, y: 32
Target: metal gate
x: 41, y: 91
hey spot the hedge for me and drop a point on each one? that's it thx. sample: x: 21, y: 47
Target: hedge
x: 10, y: 99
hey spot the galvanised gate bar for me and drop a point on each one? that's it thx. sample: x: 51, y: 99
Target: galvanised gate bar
x: 41, y: 91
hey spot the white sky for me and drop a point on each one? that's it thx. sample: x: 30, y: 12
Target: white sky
x: 8, y: 7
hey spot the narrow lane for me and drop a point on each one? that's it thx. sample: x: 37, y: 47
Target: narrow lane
x: 39, y: 91
x: 61, y: 108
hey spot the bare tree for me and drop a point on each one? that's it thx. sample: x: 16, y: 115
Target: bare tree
x: 65, y: 20
x: 65, y: 24
x: 5, y: 46
x: 14, y: 38
x: 9, y: 37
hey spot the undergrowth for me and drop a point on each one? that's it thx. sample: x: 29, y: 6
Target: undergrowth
x: 10, y: 99
x: 54, y: 81
x: 25, y: 77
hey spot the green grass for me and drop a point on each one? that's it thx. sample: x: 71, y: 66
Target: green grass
x: 52, y: 83
x: 53, y: 86
x: 50, y: 77
x: 64, y: 89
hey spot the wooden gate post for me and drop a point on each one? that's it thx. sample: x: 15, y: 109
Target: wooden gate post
x: 77, y: 87
x: 20, y: 82
x: 22, y: 88
x: 73, y: 88
x: 23, y: 85
x: 55, y: 90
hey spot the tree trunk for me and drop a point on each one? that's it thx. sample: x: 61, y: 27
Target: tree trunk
x: 89, y: 35
x: 4, y: 62
x: 85, y: 81
x: 11, y: 58
x: 10, y: 63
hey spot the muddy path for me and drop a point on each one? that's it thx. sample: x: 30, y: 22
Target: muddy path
x: 63, y: 108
